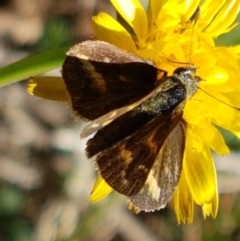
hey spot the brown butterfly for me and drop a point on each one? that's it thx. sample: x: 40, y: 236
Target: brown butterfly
x: 136, y: 113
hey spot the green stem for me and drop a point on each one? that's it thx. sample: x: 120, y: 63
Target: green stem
x: 32, y: 66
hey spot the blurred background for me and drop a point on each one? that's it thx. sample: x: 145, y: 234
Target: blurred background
x: 45, y: 179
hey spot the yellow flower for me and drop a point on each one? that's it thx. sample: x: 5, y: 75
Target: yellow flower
x: 164, y: 35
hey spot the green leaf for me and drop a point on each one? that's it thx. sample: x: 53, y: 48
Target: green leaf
x: 32, y: 66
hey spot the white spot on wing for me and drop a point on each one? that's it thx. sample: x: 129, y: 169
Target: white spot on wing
x: 153, y: 188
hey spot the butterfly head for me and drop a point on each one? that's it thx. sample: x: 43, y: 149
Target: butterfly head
x: 188, y: 78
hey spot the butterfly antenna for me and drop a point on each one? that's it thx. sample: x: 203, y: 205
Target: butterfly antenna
x: 232, y: 106
x: 193, y: 20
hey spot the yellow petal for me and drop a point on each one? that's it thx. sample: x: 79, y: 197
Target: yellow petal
x: 221, y: 114
x: 228, y: 71
x: 169, y: 18
x: 154, y: 8
x: 210, y: 135
x: 234, y: 98
x: 189, y: 9
x: 199, y: 169
x: 100, y: 190
x: 224, y: 18
x: 132, y: 11
x: 183, y: 202
x: 109, y: 30
x: 215, y: 108
x: 236, y: 50
x: 211, y: 208
x: 209, y: 10
x: 48, y: 87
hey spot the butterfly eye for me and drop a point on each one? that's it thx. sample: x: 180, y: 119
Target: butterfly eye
x: 179, y: 70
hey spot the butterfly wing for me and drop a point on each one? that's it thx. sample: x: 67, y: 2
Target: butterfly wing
x: 106, y: 119
x: 119, y: 129
x: 164, y: 175
x: 125, y: 165
x: 101, y: 78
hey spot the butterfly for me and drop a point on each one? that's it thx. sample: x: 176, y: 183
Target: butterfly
x: 135, y: 112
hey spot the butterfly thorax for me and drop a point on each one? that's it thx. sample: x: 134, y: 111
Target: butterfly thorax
x: 173, y: 91
x: 188, y: 78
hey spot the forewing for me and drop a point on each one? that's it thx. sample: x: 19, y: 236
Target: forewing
x: 101, y: 78
x: 125, y: 166
x: 106, y: 119
x: 164, y: 175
